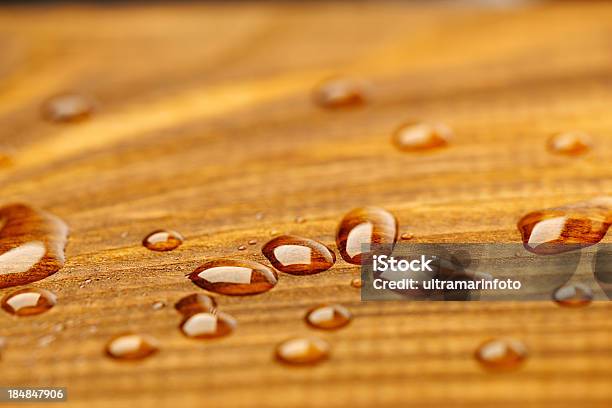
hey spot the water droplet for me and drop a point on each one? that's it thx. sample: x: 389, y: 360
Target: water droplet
x: 407, y: 236
x: 163, y: 240
x: 421, y: 136
x: 46, y: 340
x: 131, y: 347
x: 357, y: 283
x: 368, y: 225
x: 28, y: 302
x: 259, y: 216
x: 195, y: 303
x: 298, y: 256
x: 570, y: 143
x: 561, y: 229
x: 501, y: 354
x: 252, y: 242
x: 85, y: 283
x: 58, y: 327
x: 328, y: 317
x: 576, y: 295
x: 302, y: 351
x: 234, y: 277
x: 32, y: 245
x: 68, y: 107
x: 205, y: 325
x: 274, y: 232
x: 242, y: 247
x: 159, y: 305
x: 341, y: 92
x: 300, y: 220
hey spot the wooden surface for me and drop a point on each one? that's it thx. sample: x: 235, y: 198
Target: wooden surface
x: 205, y: 119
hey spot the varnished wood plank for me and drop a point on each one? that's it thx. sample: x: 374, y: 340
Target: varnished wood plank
x: 205, y: 119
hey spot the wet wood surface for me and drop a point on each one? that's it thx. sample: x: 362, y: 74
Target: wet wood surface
x: 204, y: 119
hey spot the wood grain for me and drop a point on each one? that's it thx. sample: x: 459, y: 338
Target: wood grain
x: 205, y: 119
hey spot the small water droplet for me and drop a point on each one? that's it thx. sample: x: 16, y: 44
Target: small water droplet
x: 159, y: 305
x: 274, y: 232
x: 576, y: 295
x: 242, y: 247
x: 259, y: 216
x: 234, y: 277
x: 206, y: 325
x: 163, y: 240
x: 421, y: 136
x: 566, y: 228
x: 85, y: 283
x: 252, y: 242
x: 68, y: 107
x: 356, y: 283
x: 570, y: 143
x: 300, y: 220
x: 298, y: 256
x: 124, y: 234
x: 92, y: 329
x: 364, y: 226
x: 341, y: 92
x: 131, y: 347
x: 328, y: 317
x: 46, y: 340
x: 407, y: 236
x: 32, y: 245
x: 58, y: 327
x: 28, y: 302
x: 302, y: 351
x: 195, y: 303
x: 2, y: 342
x: 501, y: 354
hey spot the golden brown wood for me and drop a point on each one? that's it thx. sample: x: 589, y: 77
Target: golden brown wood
x: 205, y: 119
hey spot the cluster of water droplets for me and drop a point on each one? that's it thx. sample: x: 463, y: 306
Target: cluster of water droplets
x: 32, y: 246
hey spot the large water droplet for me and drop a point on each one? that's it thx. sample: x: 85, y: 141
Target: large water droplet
x: 195, y: 303
x: 205, y: 325
x: 561, y: 229
x: 163, y: 240
x: 131, y: 347
x: 570, y: 143
x: 302, y: 351
x: 328, y: 317
x: 368, y: 225
x: 68, y: 107
x: 28, y: 302
x: 341, y: 92
x: 32, y: 245
x: 298, y: 256
x: 234, y: 277
x: 574, y: 295
x: 356, y: 283
x: 501, y: 354
x: 421, y: 136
